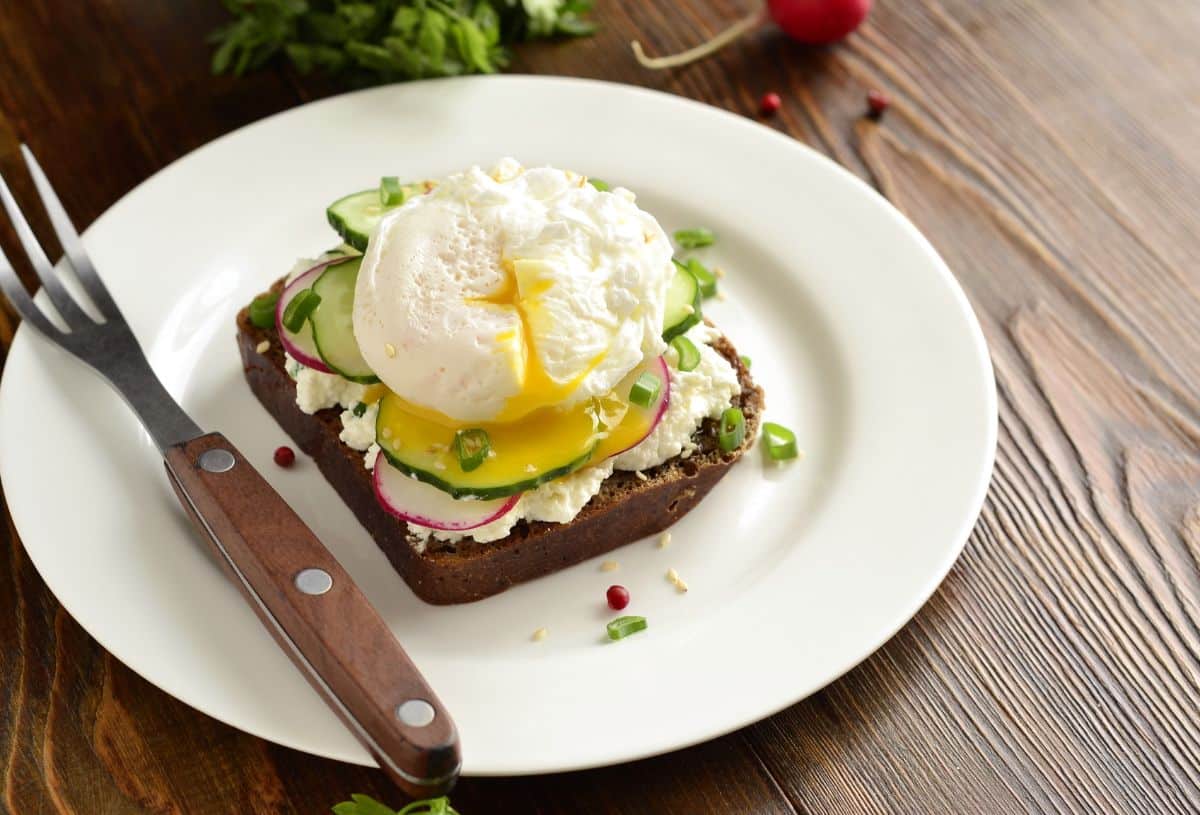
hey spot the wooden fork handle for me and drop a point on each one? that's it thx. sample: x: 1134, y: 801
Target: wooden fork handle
x: 317, y: 615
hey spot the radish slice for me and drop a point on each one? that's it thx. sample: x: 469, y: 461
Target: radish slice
x: 618, y: 442
x: 300, y: 344
x: 420, y: 503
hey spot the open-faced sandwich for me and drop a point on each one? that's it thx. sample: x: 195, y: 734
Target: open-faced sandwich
x: 502, y: 373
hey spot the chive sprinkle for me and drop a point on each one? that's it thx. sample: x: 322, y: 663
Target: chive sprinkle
x: 472, y: 447
x: 624, y: 626
x: 732, y: 431
x: 689, y: 354
x: 359, y: 409
x: 391, y: 192
x: 262, y: 309
x: 745, y: 360
x: 645, y: 390
x: 706, y: 279
x: 779, y: 442
x: 300, y: 309
x: 600, y: 185
x: 695, y: 238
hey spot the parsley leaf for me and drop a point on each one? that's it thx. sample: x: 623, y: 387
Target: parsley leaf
x: 369, y: 41
x: 366, y: 805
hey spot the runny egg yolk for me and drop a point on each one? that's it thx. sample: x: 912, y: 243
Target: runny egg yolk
x: 522, y: 288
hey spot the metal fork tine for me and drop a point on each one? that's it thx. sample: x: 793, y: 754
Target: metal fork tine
x: 22, y: 302
x: 63, y: 302
x: 71, y: 243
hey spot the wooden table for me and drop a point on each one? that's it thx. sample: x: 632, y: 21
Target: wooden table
x: 1050, y: 149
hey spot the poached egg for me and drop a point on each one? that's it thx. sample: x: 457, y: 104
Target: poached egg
x: 500, y: 293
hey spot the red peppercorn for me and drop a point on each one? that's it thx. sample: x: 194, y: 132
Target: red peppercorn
x: 285, y: 456
x: 769, y: 103
x: 618, y: 597
x: 877, y: 103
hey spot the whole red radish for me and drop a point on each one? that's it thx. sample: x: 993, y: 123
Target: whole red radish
x: 815, y: 22
x: 818, y: 21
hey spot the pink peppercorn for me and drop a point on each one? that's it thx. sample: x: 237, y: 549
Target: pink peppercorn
x: 618, y: 597
x: 877, y: 103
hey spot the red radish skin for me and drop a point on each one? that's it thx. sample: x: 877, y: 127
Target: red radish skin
x: 813, y: 22
x: 416, y: 502
x: 301, y: 348
x: 818, y: 22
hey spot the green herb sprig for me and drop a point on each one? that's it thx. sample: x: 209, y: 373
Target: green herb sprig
x: 366, y: 805
x: 365, y: 42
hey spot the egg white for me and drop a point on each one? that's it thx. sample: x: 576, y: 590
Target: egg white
x: 501, y: 292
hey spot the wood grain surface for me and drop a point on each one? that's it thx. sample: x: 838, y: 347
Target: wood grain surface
x: 1048, y: 148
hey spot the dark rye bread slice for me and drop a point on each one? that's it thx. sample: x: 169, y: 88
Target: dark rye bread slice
x: 626, y: 508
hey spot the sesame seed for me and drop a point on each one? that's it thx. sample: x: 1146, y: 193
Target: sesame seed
x: 718, y: 271
x: 641, y: 476
x: 609, y: 566
x: 664, y: 540
x: 529, y: 468
x: 540, y: 634
x: 681, y: 586
x: 672, y: 575
x: 263, y: 346
x: 689, y: 309
x: 439, y: 465
x: 386, y: 433
x: 389, y: 349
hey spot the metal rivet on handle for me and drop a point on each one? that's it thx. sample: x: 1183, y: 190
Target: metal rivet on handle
x: 415, y: 713
x: 216, y: 461
x: 314, y: 581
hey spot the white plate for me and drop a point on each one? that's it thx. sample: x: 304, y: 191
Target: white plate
x: 862, y: 338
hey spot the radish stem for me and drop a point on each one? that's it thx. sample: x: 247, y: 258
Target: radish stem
x: 718, y: 42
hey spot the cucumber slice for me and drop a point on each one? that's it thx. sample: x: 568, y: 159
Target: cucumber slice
x: 683, y: 303
x: 333, y: 321
x: 355, y: 216
x: 526, y: 453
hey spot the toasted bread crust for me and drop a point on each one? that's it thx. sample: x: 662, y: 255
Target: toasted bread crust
x: 626, y: 508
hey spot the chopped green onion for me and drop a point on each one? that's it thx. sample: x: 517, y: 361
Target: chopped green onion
x: 706, y: 279
x: 262, y: 309
x: 359, y: 409
x: 600, y: 185
x: 695, y: 238
x: 732, y: 432
x: 745, y: 360
x: 299, y: 309
x: 472, y: 447
x: 645, y: 390
x: 689, y: 354
x: 624, y: 626
x: 779, y: 442
x: 391, y: 192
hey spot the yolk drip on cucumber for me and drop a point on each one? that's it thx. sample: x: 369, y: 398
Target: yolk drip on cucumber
x: 543, y: 445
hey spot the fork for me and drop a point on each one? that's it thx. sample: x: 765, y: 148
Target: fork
x: 300, y: 593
